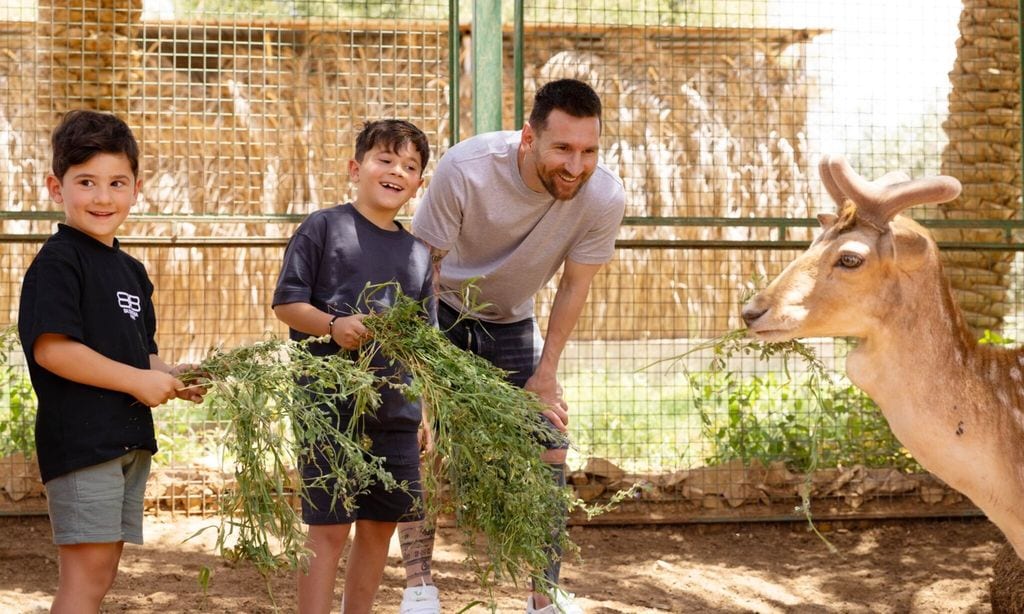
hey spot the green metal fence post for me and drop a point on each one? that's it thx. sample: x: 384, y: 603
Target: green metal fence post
x: 487, y: 52
x: 454, y: 70
x: 517, y: 62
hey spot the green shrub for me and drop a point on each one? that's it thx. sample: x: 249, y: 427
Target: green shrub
x: 769, y: 419
x: 17, y: 401
x: 803, y: 412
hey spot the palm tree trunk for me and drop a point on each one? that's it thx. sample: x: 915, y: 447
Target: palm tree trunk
x: 984, y: 152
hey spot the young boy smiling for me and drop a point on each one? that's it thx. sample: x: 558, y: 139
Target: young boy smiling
x: 88, y: 326
x: 331, y: 258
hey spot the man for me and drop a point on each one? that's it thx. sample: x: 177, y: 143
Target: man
x: 504, y: 211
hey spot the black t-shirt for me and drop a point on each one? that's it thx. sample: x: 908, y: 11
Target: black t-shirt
x: 101, y: 297
x: 331, y: 258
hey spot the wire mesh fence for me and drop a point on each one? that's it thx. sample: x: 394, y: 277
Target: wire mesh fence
x: 715, y: 116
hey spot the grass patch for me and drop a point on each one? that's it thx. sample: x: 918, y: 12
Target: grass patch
x: 642, y: 422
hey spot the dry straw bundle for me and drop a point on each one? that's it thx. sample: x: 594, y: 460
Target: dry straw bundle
x: 984, y: 153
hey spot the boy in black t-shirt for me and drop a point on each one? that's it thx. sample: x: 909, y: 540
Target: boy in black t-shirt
x: 87, y: 326
x: 331, y: 258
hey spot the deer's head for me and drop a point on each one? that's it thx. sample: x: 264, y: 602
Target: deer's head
x: 853, y: 274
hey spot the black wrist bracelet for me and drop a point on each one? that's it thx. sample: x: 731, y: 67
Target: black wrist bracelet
x: 330, y: 326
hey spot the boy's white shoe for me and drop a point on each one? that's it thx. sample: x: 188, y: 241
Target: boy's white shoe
x: 420, y: 600
x: 561, y: 603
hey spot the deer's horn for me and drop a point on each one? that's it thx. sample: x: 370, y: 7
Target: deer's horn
x: 830, y: 183
x: 880, y: 201
x: 837, y: 194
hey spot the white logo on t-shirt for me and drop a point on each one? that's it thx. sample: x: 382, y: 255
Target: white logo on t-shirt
x: 129, y: 303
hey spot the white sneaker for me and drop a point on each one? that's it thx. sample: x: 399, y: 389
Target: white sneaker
x: 561, y: 603
x: 420, y: 600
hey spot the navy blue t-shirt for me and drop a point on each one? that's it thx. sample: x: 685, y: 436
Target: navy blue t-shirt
x: 101, y: 297
x: 329, y: 261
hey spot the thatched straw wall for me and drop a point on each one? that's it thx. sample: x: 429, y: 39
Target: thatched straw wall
x: 984, y: 152
x: 231, y: 122
x: 261, y: 119
x: 698, y: 128
x: 254, y: 119
x: 92, y: 57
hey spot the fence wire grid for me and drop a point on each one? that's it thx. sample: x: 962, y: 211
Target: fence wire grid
x: 716, y: 113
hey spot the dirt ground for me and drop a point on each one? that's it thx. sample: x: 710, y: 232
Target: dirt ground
x: 914, y: 566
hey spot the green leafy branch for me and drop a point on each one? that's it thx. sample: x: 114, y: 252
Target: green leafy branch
x: 279, y: 402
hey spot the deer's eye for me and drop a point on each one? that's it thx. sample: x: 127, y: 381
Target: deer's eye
x: 850, y: 261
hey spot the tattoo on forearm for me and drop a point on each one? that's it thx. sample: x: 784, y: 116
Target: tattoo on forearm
x: 436, y: 256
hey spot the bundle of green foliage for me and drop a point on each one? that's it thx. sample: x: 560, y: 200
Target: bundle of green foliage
x: 485, y: 468
x: 488, y: 436
x: 273, y: 395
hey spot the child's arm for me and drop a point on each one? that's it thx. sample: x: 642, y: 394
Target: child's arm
x: 193, y: 390
x: 346, y: 331
x: 78, y: 362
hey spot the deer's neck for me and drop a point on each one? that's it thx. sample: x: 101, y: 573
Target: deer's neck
x: 925, y: 340
x: 920, y: 367
x: 955, y: 405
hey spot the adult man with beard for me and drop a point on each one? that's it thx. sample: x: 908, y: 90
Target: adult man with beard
x: 503, y: 212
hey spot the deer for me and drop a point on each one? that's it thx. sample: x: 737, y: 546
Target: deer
x: 876, y: 276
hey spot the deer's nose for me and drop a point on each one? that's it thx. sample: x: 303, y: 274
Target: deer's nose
x: 751, y: 313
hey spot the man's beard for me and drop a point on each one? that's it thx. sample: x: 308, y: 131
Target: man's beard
x: 547, y: 179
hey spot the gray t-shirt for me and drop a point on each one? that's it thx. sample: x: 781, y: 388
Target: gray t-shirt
x: 504, y: 237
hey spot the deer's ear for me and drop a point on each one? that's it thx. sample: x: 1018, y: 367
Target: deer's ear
x: 827, y: 220
x: 906, y: 246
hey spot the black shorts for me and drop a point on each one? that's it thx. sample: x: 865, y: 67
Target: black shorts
x: 401, y: 451
x: 513, y: 347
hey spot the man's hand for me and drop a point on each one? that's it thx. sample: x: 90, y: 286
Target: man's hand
x: 349, y: 332
x: 425, y: 436
x: 550, y: 393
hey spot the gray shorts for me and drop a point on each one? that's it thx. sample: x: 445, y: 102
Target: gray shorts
x: 100, y: 504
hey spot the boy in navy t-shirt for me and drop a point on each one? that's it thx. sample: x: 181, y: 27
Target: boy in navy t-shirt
x: 329, y: 261
x: 87, y: 326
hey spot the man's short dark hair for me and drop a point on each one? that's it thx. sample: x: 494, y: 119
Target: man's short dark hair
x: 570, y: 96
x: 392, y: 135
x: 81, y: 134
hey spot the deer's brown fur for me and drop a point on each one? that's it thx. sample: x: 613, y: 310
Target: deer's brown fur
x: 875, y: 275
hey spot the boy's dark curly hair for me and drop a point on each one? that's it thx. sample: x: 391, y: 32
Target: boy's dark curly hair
x: 392, y: 135
x: 82, y: 134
